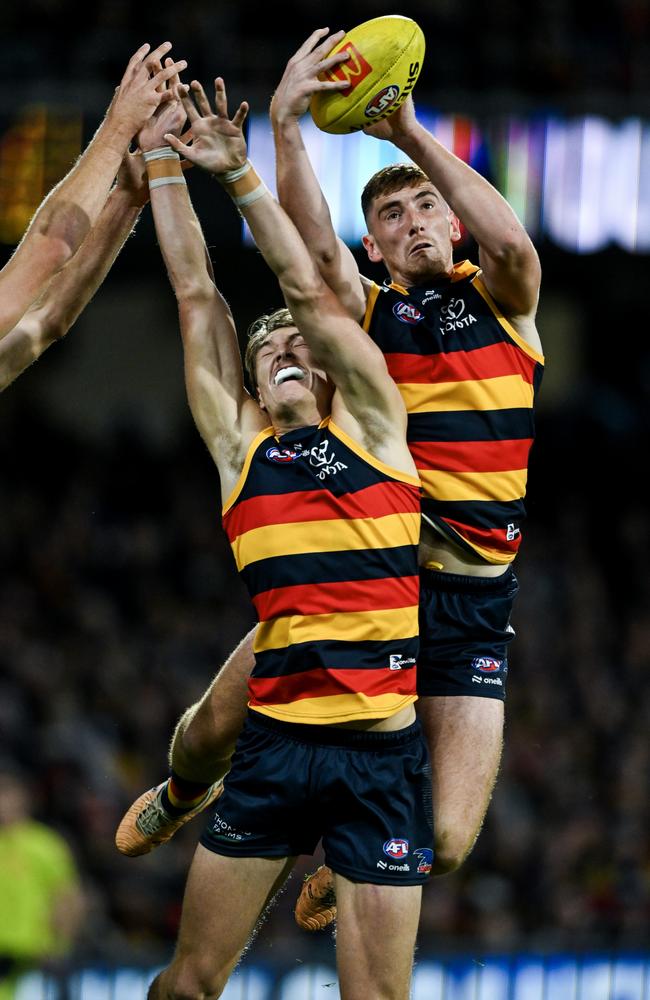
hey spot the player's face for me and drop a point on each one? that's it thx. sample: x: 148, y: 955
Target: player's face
x: 412, y: 231
x: 287, y: 375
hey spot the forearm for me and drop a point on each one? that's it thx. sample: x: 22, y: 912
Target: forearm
x: 299, y: 191
x: 480, y: 207
x: 68, y: 293
x: 274, y: 233
x: 73, y: 289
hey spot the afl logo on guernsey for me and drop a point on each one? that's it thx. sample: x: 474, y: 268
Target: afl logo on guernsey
x: 283, y: 455
x: 406, y: 313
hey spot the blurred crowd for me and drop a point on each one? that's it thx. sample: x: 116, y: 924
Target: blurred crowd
x: 545, y: 50
x: 119, y: 599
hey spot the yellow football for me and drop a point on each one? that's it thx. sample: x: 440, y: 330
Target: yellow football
x: 385, y: 60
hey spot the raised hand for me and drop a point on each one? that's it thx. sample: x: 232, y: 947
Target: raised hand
x: 397, y: 125
x: 169, y: 117
x: 218, y: 142
x: 142, y: 88
x: 301, y: 77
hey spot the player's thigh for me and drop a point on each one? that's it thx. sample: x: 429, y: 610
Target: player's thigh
x: 465, y: 740
x: 223, y: 900
x: 375, y: 940
x: 223, y: 707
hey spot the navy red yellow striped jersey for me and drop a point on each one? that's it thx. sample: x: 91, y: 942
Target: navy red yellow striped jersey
x: 468, y: 381
x: 325, y: 537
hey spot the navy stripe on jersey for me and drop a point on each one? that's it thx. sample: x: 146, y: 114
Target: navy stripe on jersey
x: 467, y: 425
x: 327, y: 567
x: 360, y: 655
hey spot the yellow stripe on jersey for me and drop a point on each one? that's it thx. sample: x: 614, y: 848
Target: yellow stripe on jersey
x: 299, y: 537
x: 502, y: 393
x: 501, y: 486
x: 348, y: 626
x: 337, y: 708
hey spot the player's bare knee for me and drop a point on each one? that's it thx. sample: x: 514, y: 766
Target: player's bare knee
x: 194, y: 980
x: 450, y: 853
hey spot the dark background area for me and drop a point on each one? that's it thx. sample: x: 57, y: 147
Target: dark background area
x: 118, y: 596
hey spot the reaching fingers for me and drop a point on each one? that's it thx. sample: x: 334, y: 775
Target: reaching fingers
x: 309, y: 44
x: 186, y: 152
x: 158, y: 53
x: 183, y: 94
x: 331, y: 61
x: 326, y: 47
x: 220, y: 99
x: 239, y: 116
x: 168, y: 72
x: 173, y: 81
x: 202, y: 102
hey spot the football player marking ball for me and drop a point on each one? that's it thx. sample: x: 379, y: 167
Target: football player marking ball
x: 385, y: 59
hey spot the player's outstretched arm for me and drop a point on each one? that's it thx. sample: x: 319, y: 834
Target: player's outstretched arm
x: 226, y: 416
x: 299, y: 192
x: 508, y: 258
x: 352, y: 360
x: 67, y: 214
x: 50, y: 317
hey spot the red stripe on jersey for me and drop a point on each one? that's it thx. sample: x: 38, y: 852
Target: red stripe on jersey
x: 487, y: 538
x: 329, y: 598
x: 504, y: 358
x: 471, y: 456
x: 323, y: 683
x: 319, y: 505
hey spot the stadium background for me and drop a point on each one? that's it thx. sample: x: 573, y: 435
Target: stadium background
x: 118, y: 596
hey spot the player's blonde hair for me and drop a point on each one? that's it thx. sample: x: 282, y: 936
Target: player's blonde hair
x: 258, y: 333
x: 389, y: 179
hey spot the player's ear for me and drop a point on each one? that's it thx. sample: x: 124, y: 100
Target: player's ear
x: 374, y: 254
x: 454, y: 227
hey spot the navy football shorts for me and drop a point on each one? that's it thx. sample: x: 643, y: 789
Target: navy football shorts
x: 464, y: 633
x: 366, y: 794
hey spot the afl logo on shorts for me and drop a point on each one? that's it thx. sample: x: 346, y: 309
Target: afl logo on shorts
x: 406, y: 313
x: 283, y: 455
x: 396, y: 847
x: 486, y: 664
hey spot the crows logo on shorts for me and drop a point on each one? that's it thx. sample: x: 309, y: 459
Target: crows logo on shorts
x: 424, y: 857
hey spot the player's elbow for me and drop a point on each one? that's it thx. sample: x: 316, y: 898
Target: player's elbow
x: 194, y: 290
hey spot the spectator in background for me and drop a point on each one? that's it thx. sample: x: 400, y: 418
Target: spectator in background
x: 41, y: 903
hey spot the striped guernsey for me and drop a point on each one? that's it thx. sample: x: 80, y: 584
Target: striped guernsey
x: 468, y: 381
x: 325, y: 537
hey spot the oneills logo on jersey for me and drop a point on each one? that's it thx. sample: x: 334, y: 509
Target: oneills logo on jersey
x: 283, y: 455
x: 407, y: 313
x: 353, y: 70
x: 382, y: 101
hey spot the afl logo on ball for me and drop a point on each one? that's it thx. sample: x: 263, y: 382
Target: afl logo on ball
x: 382, y: 101
x: 406, y: 313
x: 283, y: 455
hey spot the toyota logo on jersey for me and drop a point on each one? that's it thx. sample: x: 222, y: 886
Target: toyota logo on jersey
x: 406, y: 313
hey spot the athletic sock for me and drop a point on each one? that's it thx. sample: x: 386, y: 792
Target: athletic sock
x: 180, y: 795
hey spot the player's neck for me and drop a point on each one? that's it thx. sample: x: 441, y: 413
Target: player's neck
x: 288, y: 417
